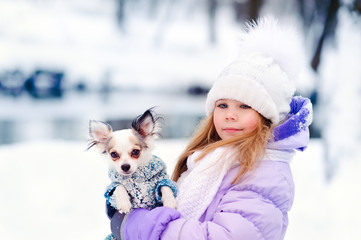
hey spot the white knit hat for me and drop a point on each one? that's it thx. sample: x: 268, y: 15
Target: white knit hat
x: 263, y: 76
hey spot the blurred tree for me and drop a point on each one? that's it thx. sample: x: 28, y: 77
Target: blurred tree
x: 120, y: 13
x: 328, y: 14
x: 328, y: 31
x: 246, y: 9
x: 212, y: 9
x: 357, y: 6
x: 153, y: 8
x: 315, y: 15
x: 254, y: 8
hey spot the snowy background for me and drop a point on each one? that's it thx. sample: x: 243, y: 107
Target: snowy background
x: 159, y: 55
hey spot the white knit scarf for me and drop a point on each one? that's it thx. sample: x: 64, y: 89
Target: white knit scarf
x: 199, y: 184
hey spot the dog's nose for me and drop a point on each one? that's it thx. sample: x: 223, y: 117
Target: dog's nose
x: 125, y: 167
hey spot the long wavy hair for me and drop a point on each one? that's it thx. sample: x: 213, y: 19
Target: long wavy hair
x: 250, y: 146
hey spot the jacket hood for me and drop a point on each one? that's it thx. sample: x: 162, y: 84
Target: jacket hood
x: 293, y: 133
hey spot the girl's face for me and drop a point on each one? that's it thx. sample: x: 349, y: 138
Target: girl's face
x: 232, y: 118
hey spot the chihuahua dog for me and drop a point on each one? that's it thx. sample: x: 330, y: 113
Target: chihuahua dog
x: 139, y: 179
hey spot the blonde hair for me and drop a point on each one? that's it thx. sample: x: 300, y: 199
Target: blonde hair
x: 251, y: 146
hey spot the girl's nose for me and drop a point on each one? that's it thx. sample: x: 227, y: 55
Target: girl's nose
x: 231, y: 116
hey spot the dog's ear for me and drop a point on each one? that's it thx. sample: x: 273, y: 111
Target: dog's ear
x: 100, y: 134
x: 146, y: 124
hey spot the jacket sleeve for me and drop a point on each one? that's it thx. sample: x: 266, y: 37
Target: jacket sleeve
x: 256, y: 218
x: 242, y: 214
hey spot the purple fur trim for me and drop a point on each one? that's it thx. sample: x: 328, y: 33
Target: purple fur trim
x: 298, y: 119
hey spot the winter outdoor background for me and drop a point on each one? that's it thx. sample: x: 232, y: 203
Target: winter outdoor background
x: 63, y: 62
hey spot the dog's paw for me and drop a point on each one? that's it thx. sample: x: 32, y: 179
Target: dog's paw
x: 170, y: 202
x: 124, y: 206
x: 168, y: 198
x: 122, y: 199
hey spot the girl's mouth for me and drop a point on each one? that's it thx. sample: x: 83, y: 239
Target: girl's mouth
x: 231, y: 130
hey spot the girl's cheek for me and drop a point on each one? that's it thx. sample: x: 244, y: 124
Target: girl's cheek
x: 251, y: 123
x: 249, y: 128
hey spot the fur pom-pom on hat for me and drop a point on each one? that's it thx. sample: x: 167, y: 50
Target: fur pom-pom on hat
x: 280, y: 42
x: 264, y: 74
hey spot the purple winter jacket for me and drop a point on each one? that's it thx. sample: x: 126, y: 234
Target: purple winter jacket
x: 255, y: 208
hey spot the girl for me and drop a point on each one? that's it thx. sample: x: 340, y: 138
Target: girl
x: 234, y: 177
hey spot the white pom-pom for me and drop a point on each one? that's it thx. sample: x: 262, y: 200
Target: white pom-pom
x: 282, y: 43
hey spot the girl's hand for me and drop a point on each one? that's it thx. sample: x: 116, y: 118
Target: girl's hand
x: 143, y: 224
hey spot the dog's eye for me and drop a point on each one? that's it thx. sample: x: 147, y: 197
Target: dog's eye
x: 135, y: 153
x: 114, y: 155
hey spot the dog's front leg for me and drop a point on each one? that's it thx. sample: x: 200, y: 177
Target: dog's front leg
x: 122, y: 199
x: 168, y: 197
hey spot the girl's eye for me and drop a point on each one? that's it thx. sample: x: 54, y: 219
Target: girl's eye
x: 114, y: 155
x: 222, y: 105
x: 244, y: 106
x: 135, y: 153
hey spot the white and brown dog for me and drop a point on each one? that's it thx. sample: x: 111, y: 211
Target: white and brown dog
x: 139, y: 179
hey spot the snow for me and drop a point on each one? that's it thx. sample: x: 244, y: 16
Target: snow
x: 322, y: 209
x: 54, y: 189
